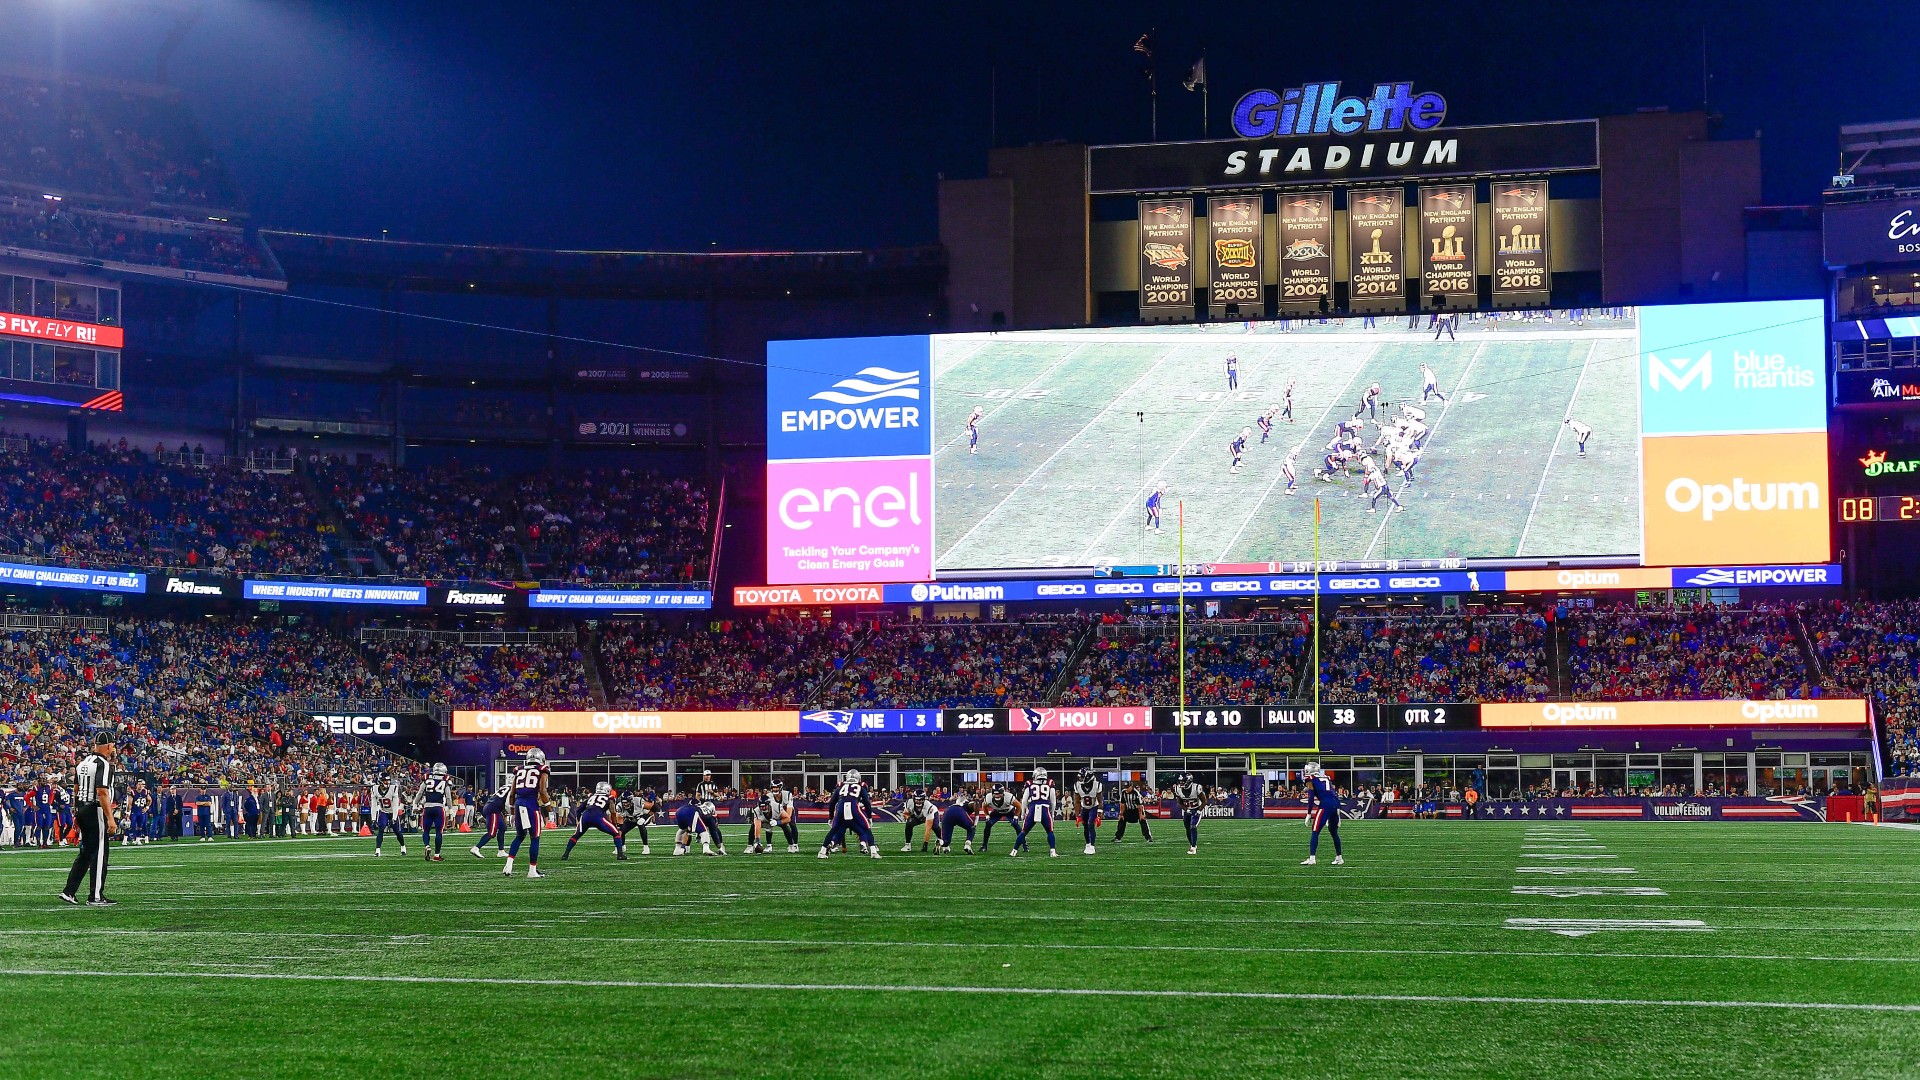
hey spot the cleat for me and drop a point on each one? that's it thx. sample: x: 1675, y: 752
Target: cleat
x: 793, y: 849
x: 502, y: 852
x: 968, y: 849
x: 509, y: 868
x: 621, y: 857
x: 906, y: 847
x: 679, y: 849
x: 1193, y: 850
x: 1089, y: 850
x: 435, y: 857
x: 1339, y: 860
x: 475, y: 852
x: 69, y: 899
x: 565, y: 855
x: 378, y: 852
x: 101, y: 902
x: 875, y: 851
x: 823, y: 853
x: 403, y: 849
x: 1309, y: 860
x: 1014, y: 854
x: 534, y: 872
x: 1053, y: 853
x: 645, y: 850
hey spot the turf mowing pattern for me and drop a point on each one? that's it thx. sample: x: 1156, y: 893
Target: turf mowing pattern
x: 1079, y: 426
x: 1781, y: 949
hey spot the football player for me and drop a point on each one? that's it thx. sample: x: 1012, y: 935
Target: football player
x: 1581, y: 432
x: 1133, y: 809
x: 1036, y: 809
x: 1323, y: 802
x: 958, y: 814
x: 529, y: 800
x: 1233, y: 372
x: 706, y: 796
x: 852, y: 809
x: 493, y: 810
x: 1193, y: 803
x: 139, y: 806
x: 918, y: 814
x: 1429, y: 384
x: 1153, y: 507
x: 1088, y: 793
x: 435, y: 793
x: 1000, y: 805
x: 973, y: 430
x: 596, y: 812
x: 780, y: 811
x: 1238, y: 446
x: 640, y: 809
x: 389, y: 810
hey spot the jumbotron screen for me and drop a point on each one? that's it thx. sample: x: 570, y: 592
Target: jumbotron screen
x: 1660, y: 436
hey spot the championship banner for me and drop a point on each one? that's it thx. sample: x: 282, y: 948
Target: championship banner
x: 1234, y: 226
x: 1522, y: 267
x: 1823, y: 712
x: 1166, y: 258
x: 1306, y: 250
x: 1446, y: 246
x: 500, y: 722
x: 1376, y: 271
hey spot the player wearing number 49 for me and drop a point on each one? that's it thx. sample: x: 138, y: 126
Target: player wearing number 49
x: 1193, y: 803
x: 1323, y: 812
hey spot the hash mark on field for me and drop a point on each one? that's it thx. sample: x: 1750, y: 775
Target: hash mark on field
x: 1566, y: 891
x: 1576, y: 870
x: 1583, y: 927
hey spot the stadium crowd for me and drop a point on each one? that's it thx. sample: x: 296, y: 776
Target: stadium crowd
x: 1238, y: 663
x: 752, y: 663
x: 1403, y: 658
x: 958, y: 663
x: 1622, y: 652
x: 1873, y: 650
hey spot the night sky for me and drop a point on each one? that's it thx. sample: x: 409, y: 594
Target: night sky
x: 751, y: 126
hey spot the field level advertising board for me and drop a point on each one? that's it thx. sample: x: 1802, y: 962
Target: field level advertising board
x: 1691, y: 435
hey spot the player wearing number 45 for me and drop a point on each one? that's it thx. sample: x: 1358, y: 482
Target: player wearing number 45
x: 1323, y: 812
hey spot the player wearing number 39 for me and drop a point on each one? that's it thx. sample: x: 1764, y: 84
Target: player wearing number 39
x: 1323, y: 812
x: 1036, y: 811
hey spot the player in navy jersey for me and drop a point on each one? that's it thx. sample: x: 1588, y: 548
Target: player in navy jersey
x: 1153, y: 507
x: 493, y: 811
x: 1239, y: 446
x: 596, y: 812
x: 139, y: 811
x: 918, y: 814
x: 1233, y: 372
x: 529, y: 802
x: 957, y: 814
x: 1323, y: 812
x: 1133, y: 810
x: 432, y: 800
x: 973, y: 430
x: 1193, y: 804
x: 1088, y: 794
x: 1265, y: 423
x: 1036, y: 809
x: 1286, y: 403
x: 999, y: 805
x: 389, y: 811
x: 852, y: 808
x: 641, y: 806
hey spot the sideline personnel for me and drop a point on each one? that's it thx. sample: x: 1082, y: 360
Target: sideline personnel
x: 93, y: 790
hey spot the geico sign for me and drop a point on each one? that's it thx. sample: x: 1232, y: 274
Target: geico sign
x: 1118, y: 588
x: 1413, y: 583
x: 880, y: 506
x: 1685, y: 495
x: 1060, y: 590
x: 341, y: 724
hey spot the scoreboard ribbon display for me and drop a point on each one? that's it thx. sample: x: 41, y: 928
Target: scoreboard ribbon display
x: 1166, y: 258
x: 1234, y: 256
x: 1447, y: 272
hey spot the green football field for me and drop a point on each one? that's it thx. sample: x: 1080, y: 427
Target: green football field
x: 1079, y: 426
x: 1443, y: 949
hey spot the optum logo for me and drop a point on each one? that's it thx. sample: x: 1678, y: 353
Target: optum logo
x: 1686, y: 495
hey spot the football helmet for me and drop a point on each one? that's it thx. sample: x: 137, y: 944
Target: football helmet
x: 603, y: 788
x: 1039, y: 774
x: 537, y: 755
x: 439, y: 768
x: 853, y: 776
x: 1313, y: 769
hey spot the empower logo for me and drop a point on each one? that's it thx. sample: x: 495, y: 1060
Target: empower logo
x: 872, y: 384
x: 1757, y: 575
x: 1679, y: 372
x: 849, y: 398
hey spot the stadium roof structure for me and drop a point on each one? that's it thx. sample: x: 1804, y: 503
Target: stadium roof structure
x: 356, y: 262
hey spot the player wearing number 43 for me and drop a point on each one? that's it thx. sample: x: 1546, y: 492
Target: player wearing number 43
x: 852, y: 809
x: 1323, y: 812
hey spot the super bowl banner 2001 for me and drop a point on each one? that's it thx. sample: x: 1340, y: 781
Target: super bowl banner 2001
x: 1233, y: 226
x: 1376, y: 271
x: 1446, y: 246
x: 1522, y: 270
x: 1166, y: 257
x: 1306, y: 249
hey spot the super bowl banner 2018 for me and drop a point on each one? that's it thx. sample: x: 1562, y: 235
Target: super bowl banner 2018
x: 1522, y: 270
x: 1376, y: 274
x: 1233, y: 226
x: 1306, y: 249
x: 1166, y: 258
x: 1446, y: 246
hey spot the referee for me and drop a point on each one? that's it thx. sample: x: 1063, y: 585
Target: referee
x: 93, y: 792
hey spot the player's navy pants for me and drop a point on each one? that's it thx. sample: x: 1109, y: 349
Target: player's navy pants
x: 1041, y: 816
x: 433, y: 821
x: 1329, y: 820
x: 1137, y: 817
x: 848, y: 816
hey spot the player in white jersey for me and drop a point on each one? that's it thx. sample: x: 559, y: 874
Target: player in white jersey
x: 1412, y: 412
x: 389, y: 805
x: 1404, y: 459
x: 1581, y: 432
x: 1088, y: 795
x: 1369, y: 402
x: 973, y: 430
x: 917, y: 814
x: 1370, y: 475
x: 1286, y: 403
x: 1036, y: 810
x: 999, y: 805
x: 1377, y: 480
x: 776, y: 810
x: 1429, y: 384
x: 1290, y: 469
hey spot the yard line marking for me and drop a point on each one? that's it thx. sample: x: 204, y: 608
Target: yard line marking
x: 1307, y: 435
x: 116, y: 868
x: 1014, y: 991
x: 1576, y: 870
x: 1431, y: 432
x: 997, y: 409
x: 1521, y: 547
x: 1561, y: 855
x: 1583, y: 927
x: 1565, y: 891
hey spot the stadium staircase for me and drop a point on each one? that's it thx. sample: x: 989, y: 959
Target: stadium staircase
x: 826, y: 682
x: 355, y: 557
x: 590, y: 664
x: 1559, y: 649
x: 1814, y: 674
x: 1064, y: 678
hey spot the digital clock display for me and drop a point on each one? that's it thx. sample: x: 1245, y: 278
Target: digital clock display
x: 1879, y: 508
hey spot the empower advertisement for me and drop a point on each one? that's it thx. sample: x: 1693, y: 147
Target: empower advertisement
x: 1166, y: 258
x: 1376, y: 270
x: 849, y: 479
x: 1306, y: 249
x: 1447, y: 276
x: 1085, y: 450
x: 1233, y: 253
x: 1522, y: 267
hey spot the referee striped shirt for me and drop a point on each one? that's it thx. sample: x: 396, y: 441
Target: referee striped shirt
x: 93, y: 773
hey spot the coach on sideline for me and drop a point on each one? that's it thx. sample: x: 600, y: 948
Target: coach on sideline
x: 93, y: 792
